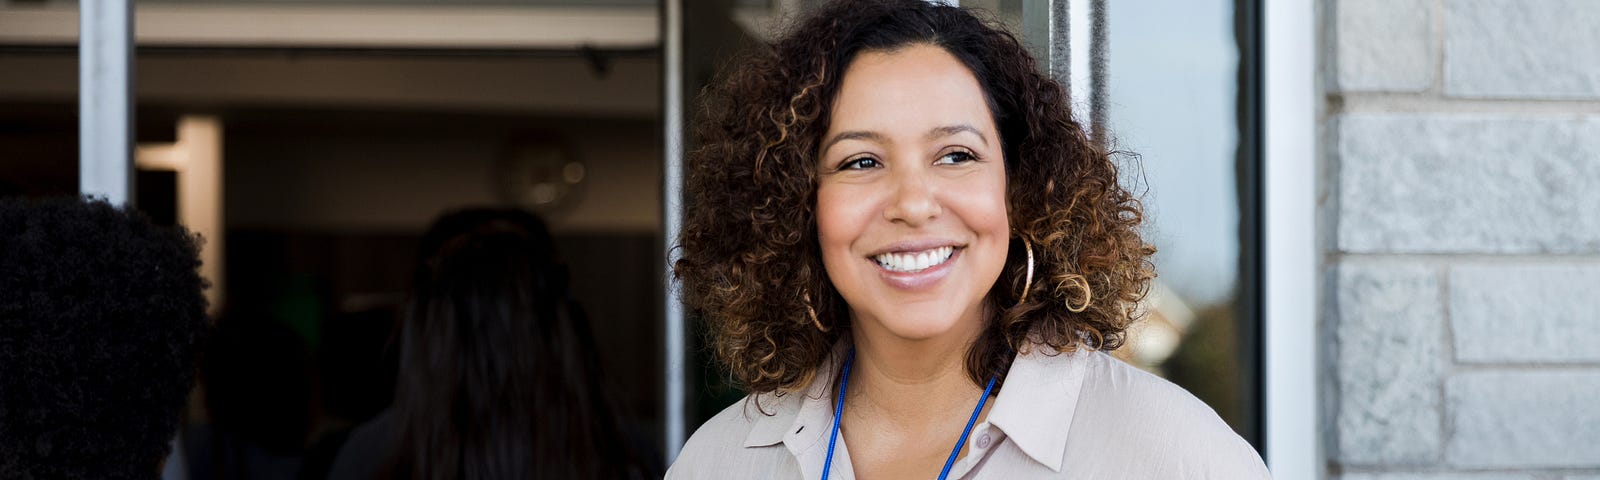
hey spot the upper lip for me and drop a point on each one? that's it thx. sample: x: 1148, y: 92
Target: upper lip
x: 915, y: 246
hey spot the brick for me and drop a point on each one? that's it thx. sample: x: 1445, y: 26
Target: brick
x: 1384, y: 45
x: 1416, y: 183
x: 1537, y: 49
x: 1526, y: 313
x: 1524, y: 419
x: 1435, y: 476
x: 1389, y: 350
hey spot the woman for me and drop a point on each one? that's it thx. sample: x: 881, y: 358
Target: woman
x: 913, y: 259
x: 499, y: 375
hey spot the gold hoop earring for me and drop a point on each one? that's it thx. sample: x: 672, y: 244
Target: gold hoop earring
x: 1027, y: 282
x: 806, y: 296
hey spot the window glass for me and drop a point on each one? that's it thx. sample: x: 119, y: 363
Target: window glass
x: 1173, y: 96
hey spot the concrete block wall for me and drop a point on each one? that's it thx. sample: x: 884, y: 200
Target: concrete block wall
x: 1461, y: 150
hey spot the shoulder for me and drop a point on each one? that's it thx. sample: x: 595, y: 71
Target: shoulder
x: 722, y: 433
x: 733, y: 440
x: 1139, y: 411
x: 1112, y: 383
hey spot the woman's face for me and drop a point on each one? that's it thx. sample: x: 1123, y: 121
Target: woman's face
x: 911, y: 200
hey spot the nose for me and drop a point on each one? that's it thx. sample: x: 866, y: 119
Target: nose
x: 914, y: 200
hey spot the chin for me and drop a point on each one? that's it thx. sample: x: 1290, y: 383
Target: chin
x: 921, y: 323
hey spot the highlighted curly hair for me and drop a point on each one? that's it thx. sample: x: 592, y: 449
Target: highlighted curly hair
x: 751, y: 264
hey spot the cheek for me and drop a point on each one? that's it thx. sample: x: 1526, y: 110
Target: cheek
x: 837, y: 224
x: 986, y: 214
x: 983, y: 205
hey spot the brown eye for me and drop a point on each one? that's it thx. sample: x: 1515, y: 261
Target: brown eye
x: 955, y: 158
x: 862, y: 163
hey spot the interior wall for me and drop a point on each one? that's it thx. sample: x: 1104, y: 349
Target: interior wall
x: 365, y: 172
x: 605, y: 84
x: 333, y: 167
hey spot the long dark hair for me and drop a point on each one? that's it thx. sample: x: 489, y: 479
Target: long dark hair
x: 499, y: 377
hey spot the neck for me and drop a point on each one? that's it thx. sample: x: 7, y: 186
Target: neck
x: 911, y: 382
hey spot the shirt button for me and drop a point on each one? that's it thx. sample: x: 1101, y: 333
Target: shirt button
x: 983, y: 441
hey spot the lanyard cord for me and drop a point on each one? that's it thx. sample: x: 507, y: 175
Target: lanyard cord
x: 838, y: 410
x: 981, y: 400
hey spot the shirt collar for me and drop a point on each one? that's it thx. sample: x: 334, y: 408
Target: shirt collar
x: 802, y: 421
x: 799, y: 417
x: 1035, y: 408
x: 1040, y: 397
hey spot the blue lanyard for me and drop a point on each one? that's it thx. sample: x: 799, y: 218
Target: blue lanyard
x: 838, y: 409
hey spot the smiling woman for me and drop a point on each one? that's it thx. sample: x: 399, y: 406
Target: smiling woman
x: 911, y: 257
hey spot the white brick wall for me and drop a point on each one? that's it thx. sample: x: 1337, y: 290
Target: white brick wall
x: 1522, y: 48
x: 1390, y: 356
x: 1385, y: 45
x: 1460, y: 183
x: 1529, y: 314
x: 1438, y: 476
x: 1524, y: 418
x: 1463, y: 155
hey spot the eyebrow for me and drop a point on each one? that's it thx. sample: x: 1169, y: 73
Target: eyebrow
x: 935, y: 133
x: 854, y: 135
x: 949, y: 130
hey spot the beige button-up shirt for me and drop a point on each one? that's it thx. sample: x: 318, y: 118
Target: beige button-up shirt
x: 1082, y: 415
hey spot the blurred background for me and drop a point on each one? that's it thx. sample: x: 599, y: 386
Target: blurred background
x: 312, y: 142
x: 1450, y: 145
x: 319, y: 140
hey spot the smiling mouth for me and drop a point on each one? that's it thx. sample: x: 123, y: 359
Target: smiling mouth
x: 912, y: 262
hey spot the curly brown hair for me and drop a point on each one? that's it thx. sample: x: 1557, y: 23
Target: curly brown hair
x: 751, y: 264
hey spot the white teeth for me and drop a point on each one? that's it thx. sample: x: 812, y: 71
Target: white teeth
x: 914, y: 262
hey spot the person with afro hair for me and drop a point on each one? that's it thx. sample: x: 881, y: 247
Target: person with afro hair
x: 101, y: 319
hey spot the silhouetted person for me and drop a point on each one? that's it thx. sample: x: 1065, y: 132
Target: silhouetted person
x: 257, y: 378
x: 101, y: 318
x: 499, y: 376
x: 356, y: 368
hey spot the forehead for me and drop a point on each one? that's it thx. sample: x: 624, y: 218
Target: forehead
x: 909, y: 89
